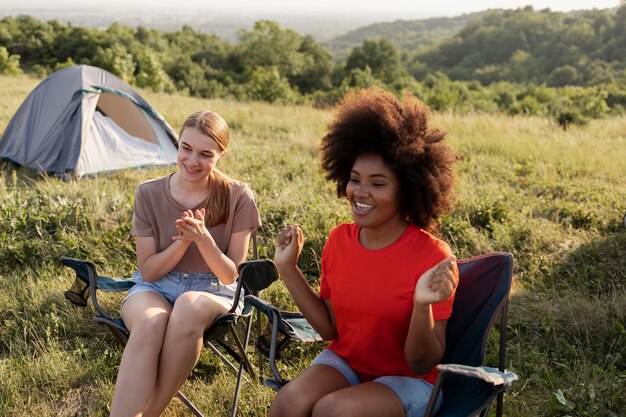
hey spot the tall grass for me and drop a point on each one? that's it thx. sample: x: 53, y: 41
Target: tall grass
x: 553, y: 198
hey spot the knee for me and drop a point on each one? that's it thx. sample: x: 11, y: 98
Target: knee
x: 290, y: 402
x: 191, y: 315
x: 331, y: 406
x: 151, y: 326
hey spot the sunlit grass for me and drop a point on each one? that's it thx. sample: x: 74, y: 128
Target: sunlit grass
x: 553, y: 198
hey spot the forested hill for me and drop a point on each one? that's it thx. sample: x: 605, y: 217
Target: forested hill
x: 569, y: 66
x: 404, y: 34
x: 524, y: 45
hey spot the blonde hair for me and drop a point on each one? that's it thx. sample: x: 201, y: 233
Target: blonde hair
x: 215, y: 127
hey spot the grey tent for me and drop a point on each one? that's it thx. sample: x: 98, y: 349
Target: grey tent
x: 83, y: 120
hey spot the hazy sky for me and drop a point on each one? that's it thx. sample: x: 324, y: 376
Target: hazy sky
x: 396, y: 8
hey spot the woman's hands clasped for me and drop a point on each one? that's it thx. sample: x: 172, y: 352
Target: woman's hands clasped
x: 438, y: 283
x: 191, y: 227
x: 289, y: 244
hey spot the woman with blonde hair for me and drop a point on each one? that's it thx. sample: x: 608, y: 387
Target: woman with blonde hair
x: 192, y: 229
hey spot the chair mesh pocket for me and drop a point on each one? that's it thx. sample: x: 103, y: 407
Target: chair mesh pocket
x: 78, y: 293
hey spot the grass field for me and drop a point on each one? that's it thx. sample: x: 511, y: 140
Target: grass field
x: 553, y: 198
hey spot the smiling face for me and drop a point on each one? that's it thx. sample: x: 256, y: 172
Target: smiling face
x: 374, y: 195
x: 197, y: 155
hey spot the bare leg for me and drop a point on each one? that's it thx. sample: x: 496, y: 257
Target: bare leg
x: 146, y: 314
x: 369, y: 399
x: 299, y: 396
x: 193, y: 312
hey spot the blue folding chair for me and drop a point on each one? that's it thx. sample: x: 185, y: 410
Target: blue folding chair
x: 468, y: 387
x: 254, y: 276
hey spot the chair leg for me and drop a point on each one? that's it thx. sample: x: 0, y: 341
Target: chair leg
x: 274, y: 350
x: 502, y: 356
x: 242, y: 347
x: 189, y: 404
x: 430, y: 411
x: 244, y: 360
x: 500, y: 404
x: 224, y: 359
x: 259, y: 329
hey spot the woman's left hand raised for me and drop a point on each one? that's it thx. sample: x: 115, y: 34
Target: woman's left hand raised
x: 288, y: 246
x: 438, y: 283
x: 191, y: 228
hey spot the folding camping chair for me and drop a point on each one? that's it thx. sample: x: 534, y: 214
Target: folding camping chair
x: 254, y: 276
x: 285, y: 326
x: 468, y: 388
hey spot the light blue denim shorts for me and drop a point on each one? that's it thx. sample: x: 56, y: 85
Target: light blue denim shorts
x: 413, y: 392
x: 173, y: 284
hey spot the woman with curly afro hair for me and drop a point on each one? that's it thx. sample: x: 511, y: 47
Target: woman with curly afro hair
x: 387, y: 283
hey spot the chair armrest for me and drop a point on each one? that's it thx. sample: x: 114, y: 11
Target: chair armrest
x: 104, y: 283
x: 263, y: 306
x: 86, y: 272
x: 78, y: 265
x: 492, y: 376
x: 291, y: 324
x: 499, y: 380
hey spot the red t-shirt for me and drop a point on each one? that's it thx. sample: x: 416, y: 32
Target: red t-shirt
x: 371, y: 292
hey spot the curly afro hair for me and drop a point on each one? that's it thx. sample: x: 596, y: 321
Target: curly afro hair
x: 372, y: 121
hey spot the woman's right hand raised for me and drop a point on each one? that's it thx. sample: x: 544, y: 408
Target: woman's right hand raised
x: 289, y: 244
x: 438, y: 283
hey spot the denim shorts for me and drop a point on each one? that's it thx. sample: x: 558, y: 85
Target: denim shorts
x: 173, y: 284
x: 413, y: 392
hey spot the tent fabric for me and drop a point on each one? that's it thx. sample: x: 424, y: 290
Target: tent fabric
x: 108, y: 147
x: 83, y: 120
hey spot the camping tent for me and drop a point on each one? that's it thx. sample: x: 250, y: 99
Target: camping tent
x: 83, y: 120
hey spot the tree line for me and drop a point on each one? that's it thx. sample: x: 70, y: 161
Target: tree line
x: 579, y: 48
x: 571, y: 67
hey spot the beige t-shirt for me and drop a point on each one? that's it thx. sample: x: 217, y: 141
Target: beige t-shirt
x: 155, y: 212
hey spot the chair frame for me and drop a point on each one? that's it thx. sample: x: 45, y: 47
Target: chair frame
x: 254, y: 276
x: 502, y: 310
x: 280, y: 326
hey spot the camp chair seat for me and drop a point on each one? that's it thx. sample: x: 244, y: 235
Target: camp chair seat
x: 468, y: 387
x: 292, y: 325
x: 254, y: 276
